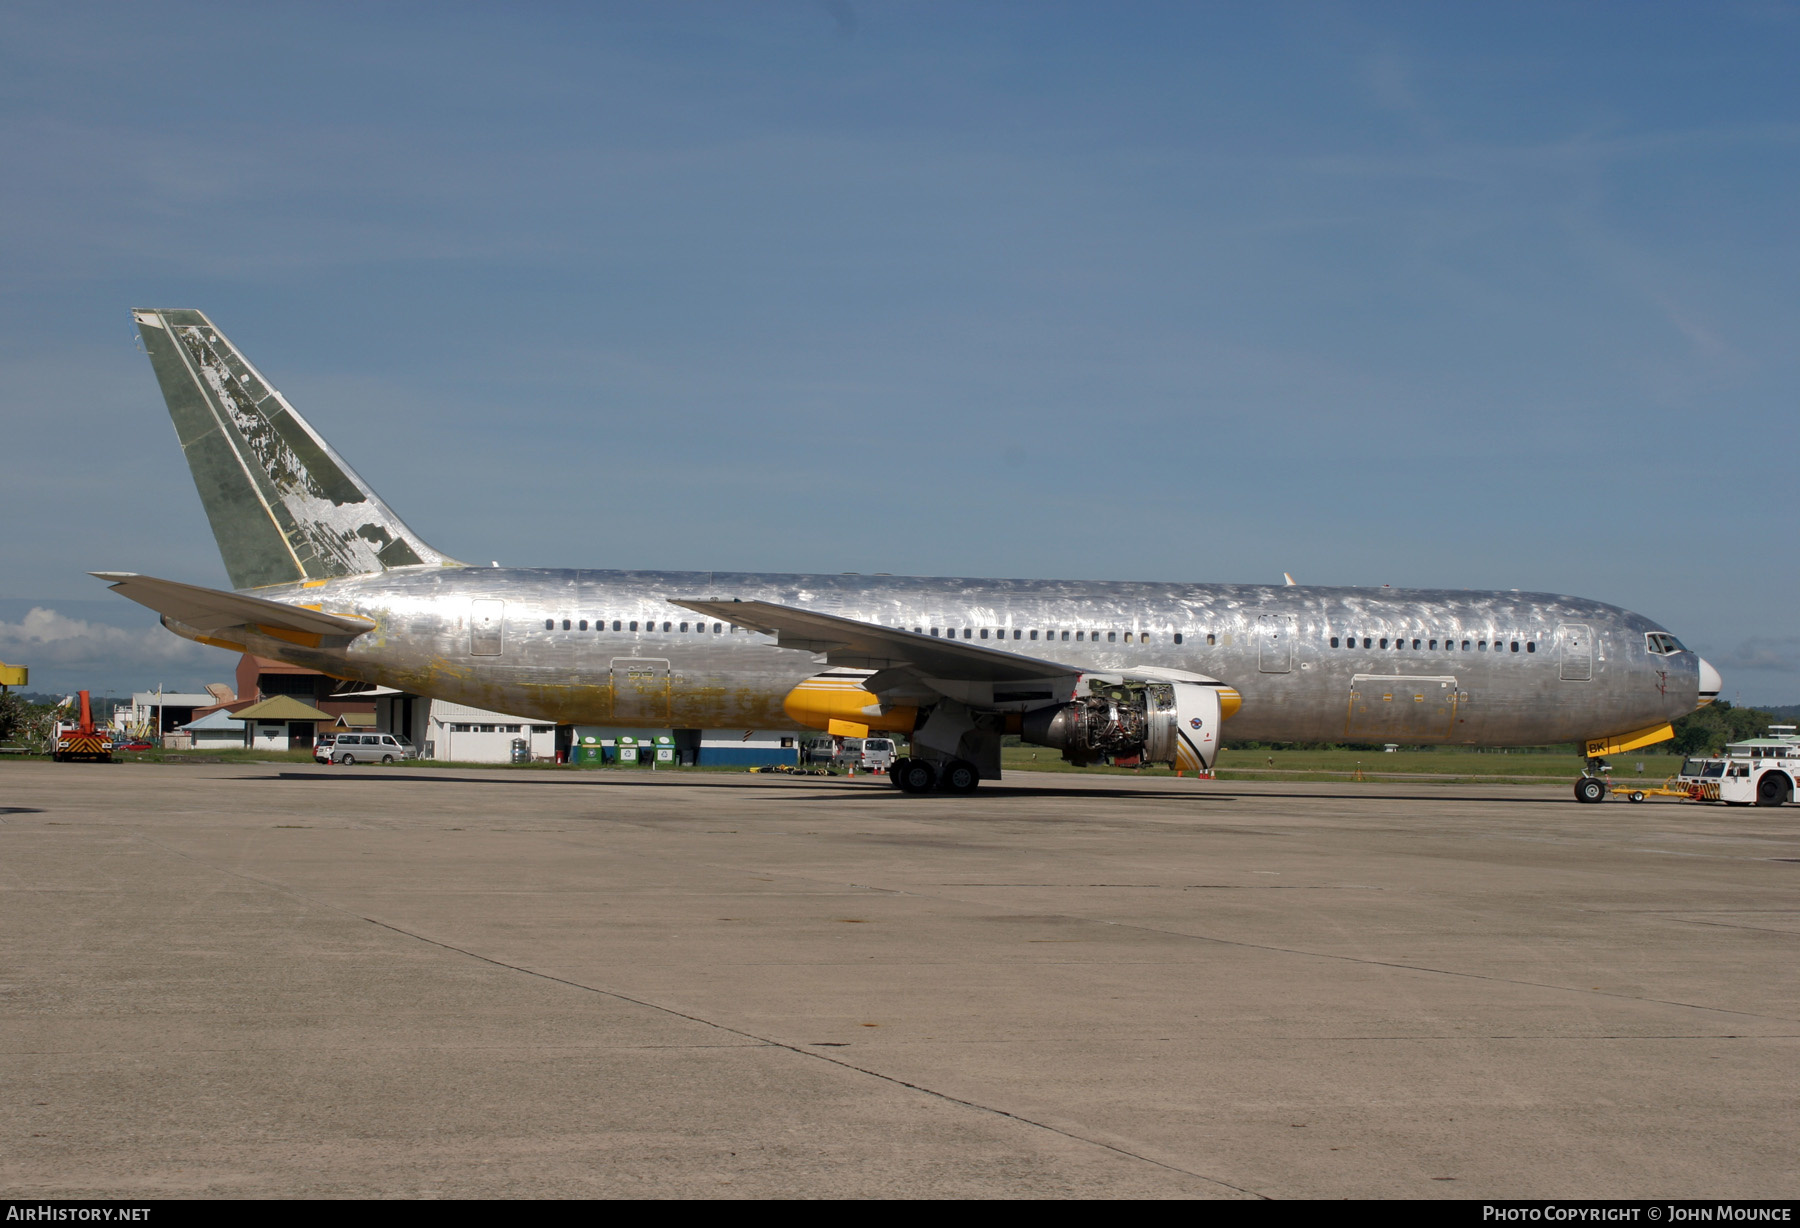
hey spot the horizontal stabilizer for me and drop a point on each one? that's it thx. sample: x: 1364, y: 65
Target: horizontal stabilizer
x: 210, y: 609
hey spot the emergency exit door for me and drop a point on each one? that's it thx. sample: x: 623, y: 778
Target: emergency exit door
x: 640, y: 687
x: 1275, y: 637
x: 487, y: 627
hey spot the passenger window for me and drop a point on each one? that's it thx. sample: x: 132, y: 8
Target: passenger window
x: 1515, y: 645
x: 1081, y: 635
x: 967, y: 634
x: 1369, y: 643
x: 634, y: 624
x: 718, y: 627
x: 1415, y: 645
x: 1465, y: 646
x: 934, y: 631
x: 1211, y: 640
x: 1530, y: 646
x: 1433, y: 647
x: 1334, y: 641
x: 549, y: 624
x: 984, y: 633
x: 1384, y: 642
x: 1018, y: 634
x: 1143, y: 638
x: 616, y: 624
x: 565, y: 624
x: 584, y: 624
x: 1178, y: 637
x: 684, y: 626
x: 1112, y: 637
x: 1481, y: 645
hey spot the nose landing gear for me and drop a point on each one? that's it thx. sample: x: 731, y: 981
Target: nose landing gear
x: 1592, y: 785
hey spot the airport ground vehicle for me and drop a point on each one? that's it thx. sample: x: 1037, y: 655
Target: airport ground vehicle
x: 871, y: 754
x: 84, y: 742
x: 368, y: 748
x: 1754, y: 772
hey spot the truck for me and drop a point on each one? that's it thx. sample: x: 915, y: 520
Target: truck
x: 82, y: 742
x: 1754, y: 772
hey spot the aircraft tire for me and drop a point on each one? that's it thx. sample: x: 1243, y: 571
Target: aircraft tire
x: 960, y: 776
x: 1773, y: 789
x: 919, y: 777
x: 894, y: 769
x: 1590, y: 789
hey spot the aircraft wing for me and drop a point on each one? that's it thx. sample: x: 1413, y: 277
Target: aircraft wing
x: 210, y: 609
x: 851, y: 643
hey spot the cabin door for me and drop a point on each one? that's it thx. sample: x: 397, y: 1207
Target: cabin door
x: 1575, y: 646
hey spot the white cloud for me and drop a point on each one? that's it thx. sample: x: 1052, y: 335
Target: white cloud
x: 44, y: 638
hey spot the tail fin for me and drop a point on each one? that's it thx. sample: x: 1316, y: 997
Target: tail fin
x: 283, y: 505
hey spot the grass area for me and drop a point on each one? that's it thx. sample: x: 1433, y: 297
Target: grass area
x: 1440, y: 764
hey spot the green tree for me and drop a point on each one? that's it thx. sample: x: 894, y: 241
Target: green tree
x: 24, y: 723
x: 1706, y: 731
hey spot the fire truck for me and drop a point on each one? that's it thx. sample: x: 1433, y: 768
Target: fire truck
x: 1754, y: 772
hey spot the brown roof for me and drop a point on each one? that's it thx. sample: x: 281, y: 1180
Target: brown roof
x: 280, y: 708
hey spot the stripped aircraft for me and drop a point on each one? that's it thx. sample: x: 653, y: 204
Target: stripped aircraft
x: 327, y: 577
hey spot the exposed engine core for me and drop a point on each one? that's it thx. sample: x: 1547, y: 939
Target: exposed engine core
x: 1164, y: 722
x: 1112, y: 719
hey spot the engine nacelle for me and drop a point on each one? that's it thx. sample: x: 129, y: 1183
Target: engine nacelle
x: 837, y: 702
x: 1164, y: 721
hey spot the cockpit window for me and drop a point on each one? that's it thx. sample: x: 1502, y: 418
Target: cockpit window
x: 1662, y: 644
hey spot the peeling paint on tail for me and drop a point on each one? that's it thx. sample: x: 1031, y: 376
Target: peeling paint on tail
x: 282, y: 504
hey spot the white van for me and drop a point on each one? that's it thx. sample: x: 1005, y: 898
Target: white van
x: 366, y: 748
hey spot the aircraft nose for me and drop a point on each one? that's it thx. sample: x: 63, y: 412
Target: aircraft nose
x: 1710, y: 684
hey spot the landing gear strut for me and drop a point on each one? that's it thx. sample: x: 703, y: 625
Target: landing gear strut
x: 1592, y: 785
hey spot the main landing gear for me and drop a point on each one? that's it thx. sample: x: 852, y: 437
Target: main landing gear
x: 922, y: 776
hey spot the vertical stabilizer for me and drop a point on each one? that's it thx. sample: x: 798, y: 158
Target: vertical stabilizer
x: 283, y: 505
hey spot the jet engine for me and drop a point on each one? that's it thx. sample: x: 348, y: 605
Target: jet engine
x: 1175, y: 722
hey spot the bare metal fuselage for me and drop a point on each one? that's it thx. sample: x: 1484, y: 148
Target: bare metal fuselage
x: 1536, y: 668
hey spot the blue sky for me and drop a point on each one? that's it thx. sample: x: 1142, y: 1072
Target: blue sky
x: 1431, y: 295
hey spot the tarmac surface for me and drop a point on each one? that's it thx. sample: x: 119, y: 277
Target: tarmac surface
x: 273, y: 980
